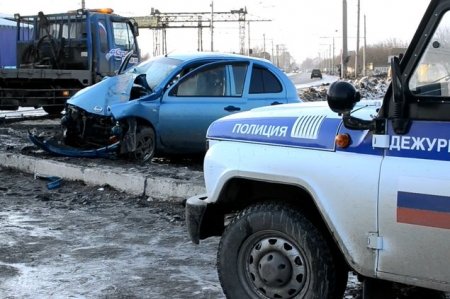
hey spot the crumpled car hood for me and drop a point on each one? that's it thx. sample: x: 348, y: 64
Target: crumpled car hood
x: 98, y: 97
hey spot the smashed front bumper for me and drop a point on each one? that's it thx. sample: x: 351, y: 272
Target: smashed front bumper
x: 56, y: 148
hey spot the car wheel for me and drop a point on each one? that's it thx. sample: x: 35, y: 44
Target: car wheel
x: 145, y: 145
x: 272, y: 251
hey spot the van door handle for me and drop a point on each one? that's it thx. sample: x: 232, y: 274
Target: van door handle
x: 232, y: 108
x: 276, y: 103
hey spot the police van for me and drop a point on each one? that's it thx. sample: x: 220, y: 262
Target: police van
x: 301, y: 194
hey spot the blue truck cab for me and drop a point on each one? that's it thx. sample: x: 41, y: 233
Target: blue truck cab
x: 59, y: 54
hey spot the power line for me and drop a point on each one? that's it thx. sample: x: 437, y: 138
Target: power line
x: 159, y: 22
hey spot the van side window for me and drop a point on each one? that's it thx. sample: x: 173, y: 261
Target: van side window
x: 431, y: 76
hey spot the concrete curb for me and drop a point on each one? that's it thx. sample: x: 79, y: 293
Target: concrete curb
x: 137, y: 184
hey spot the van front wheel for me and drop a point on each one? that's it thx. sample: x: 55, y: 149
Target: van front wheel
x: 271, y: 251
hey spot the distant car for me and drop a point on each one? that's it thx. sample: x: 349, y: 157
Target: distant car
x: 316, y: 73
x: 166, y: 104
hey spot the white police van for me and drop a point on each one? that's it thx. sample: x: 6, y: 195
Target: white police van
x: 301, y: 194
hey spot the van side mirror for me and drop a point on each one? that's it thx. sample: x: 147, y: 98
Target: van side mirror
x: 342, y: 98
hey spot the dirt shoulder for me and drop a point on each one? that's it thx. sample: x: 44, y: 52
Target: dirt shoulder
x: 95, y: 242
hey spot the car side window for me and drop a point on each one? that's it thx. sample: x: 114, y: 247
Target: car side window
x: 431, y: 76
x: 263, y: 81
x: 238, y: 72
x: 224, y: 80
x: 210, y: 82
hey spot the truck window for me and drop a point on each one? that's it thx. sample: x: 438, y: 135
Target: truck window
x: 123, y: 36
x: 103, y: 36
x: 431, y: 76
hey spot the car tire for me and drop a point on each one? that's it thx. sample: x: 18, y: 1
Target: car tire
x: 273, y: 251
x: 145, y: 145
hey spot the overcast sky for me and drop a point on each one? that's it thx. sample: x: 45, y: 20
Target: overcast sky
x: 306, y: 27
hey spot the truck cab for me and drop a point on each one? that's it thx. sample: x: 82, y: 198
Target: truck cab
x: 59, y: 54
x: 302, y: 194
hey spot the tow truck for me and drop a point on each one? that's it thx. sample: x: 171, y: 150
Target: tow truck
x: 301, y: 194
x: 59, y: 54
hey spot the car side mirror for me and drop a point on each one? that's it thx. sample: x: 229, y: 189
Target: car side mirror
x: 342, y: 98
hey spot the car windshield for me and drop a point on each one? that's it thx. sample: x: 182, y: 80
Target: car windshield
x: 156, y: 69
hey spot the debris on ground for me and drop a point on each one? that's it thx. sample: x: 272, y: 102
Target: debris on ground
x: 370, y: 88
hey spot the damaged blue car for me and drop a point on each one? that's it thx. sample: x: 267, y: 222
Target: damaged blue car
x: 165, y: 105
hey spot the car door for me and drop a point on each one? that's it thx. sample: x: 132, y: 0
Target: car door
x: 196, y: 100
x: 414, y: 204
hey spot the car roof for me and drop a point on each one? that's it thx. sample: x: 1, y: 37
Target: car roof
x: 213, y: 55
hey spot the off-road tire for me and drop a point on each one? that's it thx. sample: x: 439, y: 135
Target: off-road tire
x: 145, y: 145
x: 262, y: 242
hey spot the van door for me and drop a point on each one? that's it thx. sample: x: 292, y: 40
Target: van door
x: 414, y: 192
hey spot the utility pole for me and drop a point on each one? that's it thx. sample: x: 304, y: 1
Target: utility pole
x: 248, y: 32
x: 364, y: 50
x: 272, y: 50
x: 357, y: 40
x: 212, y: 26
x: 332, y: 60
x: 200, y: 35
x: 264, y: 45
x: 278, y: 49
x: 344, y: 40
x: 83, y: 4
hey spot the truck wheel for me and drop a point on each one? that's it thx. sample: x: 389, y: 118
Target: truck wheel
x: 271, y: 251
x: 145, y: 145
x: 53, y: 110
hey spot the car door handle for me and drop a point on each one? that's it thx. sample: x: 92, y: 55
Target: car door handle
x: 232, y: 108
x: 276, y: 103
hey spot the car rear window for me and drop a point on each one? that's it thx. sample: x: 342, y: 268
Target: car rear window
x: 263, y: 81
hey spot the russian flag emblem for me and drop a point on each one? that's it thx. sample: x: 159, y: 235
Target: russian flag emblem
x: 423, y: 209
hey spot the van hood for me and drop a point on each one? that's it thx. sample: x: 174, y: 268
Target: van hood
x: 311, y: 125
x: 99, y: 97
